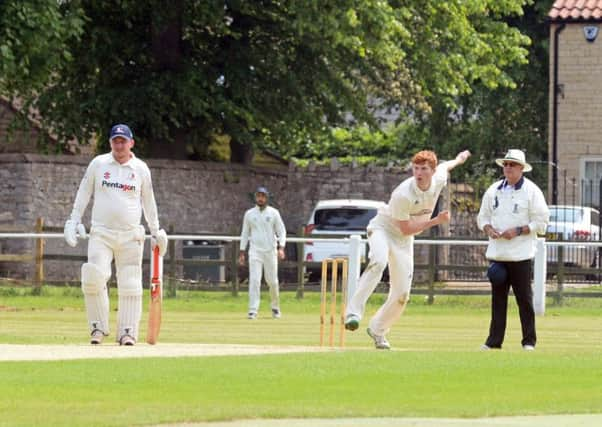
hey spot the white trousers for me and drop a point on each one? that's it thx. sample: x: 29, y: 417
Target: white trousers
x: 399, y: 256
x: 265, y: 262
x: 126, y: 248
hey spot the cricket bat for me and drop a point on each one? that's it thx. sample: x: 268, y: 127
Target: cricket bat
x: 156, y: 296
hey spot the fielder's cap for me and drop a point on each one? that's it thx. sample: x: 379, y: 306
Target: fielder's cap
x: 497, y: 273
x: 263, y: 190
x: 516, y: 156
x: 122, y: 131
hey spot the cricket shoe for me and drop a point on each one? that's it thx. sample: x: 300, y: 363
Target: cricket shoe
x: 276, y: 313
x: 380, y: 341
x: 127, y: 340
x: 528, y: 347
x: 352, y: 322
x: 252, y: 315
x: 96, y: 337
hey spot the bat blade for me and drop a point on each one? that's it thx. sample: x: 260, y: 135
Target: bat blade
x: 156, y: 297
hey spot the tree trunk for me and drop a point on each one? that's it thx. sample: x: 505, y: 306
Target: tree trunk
x: 167, y: 37
x: 175, y: 150
x: 240, y: 152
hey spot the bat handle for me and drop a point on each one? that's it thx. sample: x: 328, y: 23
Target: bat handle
x: 155, y: 278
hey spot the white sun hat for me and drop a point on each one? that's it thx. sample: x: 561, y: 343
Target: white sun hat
x: 516, y: 156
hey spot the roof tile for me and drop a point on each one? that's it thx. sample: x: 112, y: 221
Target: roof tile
x: 584, y: 10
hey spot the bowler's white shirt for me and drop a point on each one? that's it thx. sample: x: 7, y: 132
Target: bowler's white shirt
x: 120, y: 192
x: 263, y: 228
x: 505, y: 207
x: 410, y: 203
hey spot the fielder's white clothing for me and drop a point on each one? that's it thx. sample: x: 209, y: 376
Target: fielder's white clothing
x: 505, y: 207
x: 121, y: 193
x: 389, y: 246
x: 264, y: 231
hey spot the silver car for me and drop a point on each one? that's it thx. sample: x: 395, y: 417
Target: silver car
x: 337, y: 218
x: 573, y: 224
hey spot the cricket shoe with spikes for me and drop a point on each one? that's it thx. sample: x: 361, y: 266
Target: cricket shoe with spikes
x: 96, y: 337
x: 380, y: 341
x: 352, y: 322
x: 127, y: 340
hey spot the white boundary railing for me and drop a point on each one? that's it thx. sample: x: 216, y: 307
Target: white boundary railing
x: 355, y: 242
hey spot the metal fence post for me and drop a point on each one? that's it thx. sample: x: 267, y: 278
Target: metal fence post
x: 355, y: 261
x: 539, y: 278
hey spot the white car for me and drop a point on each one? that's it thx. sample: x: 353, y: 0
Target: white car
x: 573, y: 223
x: 337, y: 218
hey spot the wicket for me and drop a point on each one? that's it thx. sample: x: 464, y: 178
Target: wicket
x: 334, y: 266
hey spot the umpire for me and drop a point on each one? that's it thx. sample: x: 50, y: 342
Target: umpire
x: 513, y: 212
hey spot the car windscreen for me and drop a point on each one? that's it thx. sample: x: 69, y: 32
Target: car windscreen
x: 343, y: 219
x: 566, y: 214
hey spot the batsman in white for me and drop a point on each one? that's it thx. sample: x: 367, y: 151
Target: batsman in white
x: 122, y: 188
x: 391, y: 239
x: 263, y: 228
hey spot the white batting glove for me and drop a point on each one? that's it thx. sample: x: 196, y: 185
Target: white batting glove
x: 81, y: 231
x: 70, y: 233
x: 160, y: 239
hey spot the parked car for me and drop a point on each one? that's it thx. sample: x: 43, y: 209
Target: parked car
x: 337, y: 218
x: 573, y: 223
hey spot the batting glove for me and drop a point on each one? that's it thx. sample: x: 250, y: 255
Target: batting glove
x: 70, y: 233
x: 160, y: 239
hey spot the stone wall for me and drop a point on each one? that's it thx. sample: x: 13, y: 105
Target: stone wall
x: 193, y: 197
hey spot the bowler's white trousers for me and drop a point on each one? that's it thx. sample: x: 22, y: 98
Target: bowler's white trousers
x: 399, y: 255
x: 126, y: 247
x: 266, y: 262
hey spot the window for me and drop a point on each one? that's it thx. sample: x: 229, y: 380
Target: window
x: 561, y: 214
x: 348, y: 219
x: 591, y: 175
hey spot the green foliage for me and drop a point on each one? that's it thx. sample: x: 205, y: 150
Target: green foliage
x: 362, y: 145
x: 270, y: 72
x: 35, y: 43
x: 489, y: 122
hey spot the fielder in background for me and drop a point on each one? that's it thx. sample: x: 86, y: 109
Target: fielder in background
x: 263, y: 228
x: 391, y: 240
x: 513, y: 211
x: 122, y: 188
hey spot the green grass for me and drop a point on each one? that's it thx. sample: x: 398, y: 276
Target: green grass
x: 439, y: 371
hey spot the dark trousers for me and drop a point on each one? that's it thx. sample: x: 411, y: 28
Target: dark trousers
x: 519, y: 277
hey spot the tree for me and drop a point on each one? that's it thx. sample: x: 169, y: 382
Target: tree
x: 35, y: 40
x: 492, y: 121
x: 184, y: 72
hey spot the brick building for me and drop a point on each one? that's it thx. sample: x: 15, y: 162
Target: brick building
x: 575, y: 139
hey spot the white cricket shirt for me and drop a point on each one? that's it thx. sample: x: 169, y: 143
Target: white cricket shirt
x: 408, y: 202
x: 120, y: 192
x: 263, y: 229
x: 506, y: 207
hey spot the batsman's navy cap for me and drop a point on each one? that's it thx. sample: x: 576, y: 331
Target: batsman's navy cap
x: 263, y: 190
x: 497, y: 273
x: 122, y: 131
